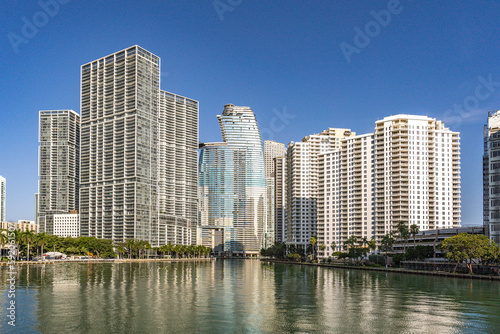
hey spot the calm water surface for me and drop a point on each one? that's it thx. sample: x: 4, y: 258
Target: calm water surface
x: 244, y: 296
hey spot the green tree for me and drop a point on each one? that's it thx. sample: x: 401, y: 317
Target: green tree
x: 386, y: 244
x: 313, y: 242
x: 404, y: 233
x: 468, y: 248
x: 414, y: 229
x: 333, y: 246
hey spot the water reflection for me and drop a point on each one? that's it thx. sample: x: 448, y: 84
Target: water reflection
x: 245, y: 296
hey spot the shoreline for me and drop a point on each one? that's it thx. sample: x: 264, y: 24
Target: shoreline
x: 397, y: 271
x: 108, y: 261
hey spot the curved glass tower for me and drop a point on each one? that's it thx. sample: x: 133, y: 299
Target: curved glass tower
x: 232, y: 185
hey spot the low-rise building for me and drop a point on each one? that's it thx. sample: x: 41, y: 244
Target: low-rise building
x: 67, y: 225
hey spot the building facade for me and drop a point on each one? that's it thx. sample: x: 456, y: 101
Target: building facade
x: 138, y: 168
x: 178, y: 169
x: 21, y: 225
x: 3, y: 187
x: 67, y: 225
x: 272, y: 150
x: 59, y: 155
x: 280, y: 199
x: 491, y: 176
x: 407, y: 170
x: 232, y: 185
x: 302, y: 183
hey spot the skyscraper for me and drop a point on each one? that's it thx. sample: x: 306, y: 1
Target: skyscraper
x: 280, y: 199
x: 408, y: 170
x: 59, y: 155
x: 138, y: 167
x: 178, y: 169
x: 302, y: 183
x: 272, y: 150
x: 232, y: 186
x: 491, y: 176
x: 2, y: 198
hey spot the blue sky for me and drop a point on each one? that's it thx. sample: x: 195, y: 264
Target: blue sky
x: 273, y: 56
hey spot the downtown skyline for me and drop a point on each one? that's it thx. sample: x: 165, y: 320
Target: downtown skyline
x: 294, y: 88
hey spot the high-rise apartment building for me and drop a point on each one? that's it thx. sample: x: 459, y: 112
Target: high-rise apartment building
x: 59, y: 155
x: 491, y: 176
x: 138, y: 167
x: 232, y: 185
x: 280, y: 199
x: 178, y: 169
x: 346, y: 189
x: 302, y: 183
x: 408, y: 170
x: 272, y: 150
x: 3, y: 184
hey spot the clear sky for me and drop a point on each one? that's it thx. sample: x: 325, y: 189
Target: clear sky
x: 302, y: 66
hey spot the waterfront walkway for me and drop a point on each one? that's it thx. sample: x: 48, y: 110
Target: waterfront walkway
x: 392, y: 270
x: 111, y: 261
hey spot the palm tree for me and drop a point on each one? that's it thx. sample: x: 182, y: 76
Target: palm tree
x: 404, y: 233
x: 313, y: 242
x: 27, y: 238
x: 372, y: 244
x: 386, y: 243
x: 414, y: 229
x: 41, y: 240
x: 130, y: 244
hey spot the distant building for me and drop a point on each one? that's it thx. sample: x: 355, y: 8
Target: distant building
x: 491, y: 176
x: 408, y: 170
x: 22, y: 225
x: 3, y: 183
x: 232, y: 184
x: 272, y: 150
x: 59, y: 155
x: 67, y: 225
x: 280, y: 199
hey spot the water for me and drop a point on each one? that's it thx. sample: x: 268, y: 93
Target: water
x: 243, y: 296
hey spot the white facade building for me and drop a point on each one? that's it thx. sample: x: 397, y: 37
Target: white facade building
x: 272, y: 150
x: 280, y: 199
x: 408, y: 170
x: 67, y: 225
x: 302, y: 183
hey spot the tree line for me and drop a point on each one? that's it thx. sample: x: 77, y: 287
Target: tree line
x: 462, y: 248
x: 30, y: 244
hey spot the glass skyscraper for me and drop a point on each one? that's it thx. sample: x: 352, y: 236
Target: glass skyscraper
x: 232, y: 185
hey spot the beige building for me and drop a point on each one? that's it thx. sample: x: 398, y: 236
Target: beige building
x: 302, y: 182
x: 280, y: 199
x: 22, y: 225
x: 272, y: 150
x: 408, y: 170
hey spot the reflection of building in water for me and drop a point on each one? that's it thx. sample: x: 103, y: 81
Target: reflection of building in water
x: 360, y: 302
